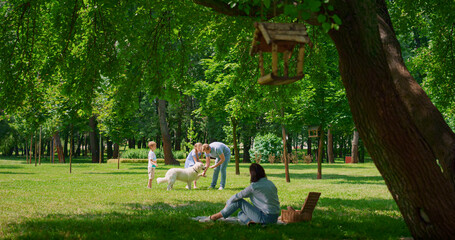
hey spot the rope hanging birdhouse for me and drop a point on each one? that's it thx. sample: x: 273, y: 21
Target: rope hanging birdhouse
x: 279, y: 38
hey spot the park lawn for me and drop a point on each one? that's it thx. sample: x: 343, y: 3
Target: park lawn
x: 99, y: 201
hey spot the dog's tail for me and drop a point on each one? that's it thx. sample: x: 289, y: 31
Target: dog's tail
x: 161, y: 180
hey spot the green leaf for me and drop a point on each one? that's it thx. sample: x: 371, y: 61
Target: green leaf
x: 336, y: 19
x: 291, y: 11
x: 315, y: 5
x: 326, y: 26
x: 267, y: 3
x: 322, y: 18
x: 305, y: 15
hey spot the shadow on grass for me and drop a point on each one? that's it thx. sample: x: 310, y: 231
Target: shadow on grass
x: 304, y: 166
x: 116, y: 173
x: 17, y: 173
x: 341, y: 178
x: 10, y: 166
x: 164, y: 221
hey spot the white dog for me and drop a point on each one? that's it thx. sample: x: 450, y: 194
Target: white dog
x: 187, y: 175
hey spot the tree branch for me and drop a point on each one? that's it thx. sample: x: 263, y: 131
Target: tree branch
x: 221, y: 7
x: 224, y: 8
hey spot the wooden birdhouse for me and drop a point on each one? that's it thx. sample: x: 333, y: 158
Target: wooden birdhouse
x: 313, y: 131
x: 279, y: 38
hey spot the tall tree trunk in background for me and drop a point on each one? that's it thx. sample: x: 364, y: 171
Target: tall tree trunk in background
x: 80, y: 140
x: 361, y: 152
x: 116, y: 150
x: 320, y: 153
x: 30, y: 154
x: 246, y: 148
x: 355, y: 147
x: 58, y: 146
x: 65, y: 145
x: 109, y: 148
x: 330, y: 156
x: 51, y: 150
x: 178, y: 132
x: 94, y: 140
x: 166, y: 137
x: 158, y: 139
x: 285, y: 154
x: 236, y: 148
x: 40, y: 145
x: 308, y: 150
x: 71, y: 146
x: 139, y: 143
x: 131, y: 143
x: 85, y: 145
x: 289, y: 143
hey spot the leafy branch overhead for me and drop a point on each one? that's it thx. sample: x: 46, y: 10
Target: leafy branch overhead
x: 316, y: 12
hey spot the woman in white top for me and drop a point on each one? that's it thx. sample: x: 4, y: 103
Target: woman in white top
x: 193, y: 157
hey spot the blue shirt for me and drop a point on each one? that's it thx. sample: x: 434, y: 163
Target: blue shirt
x: 217, y: 148
x: 190, y: 160
x: 263, y: 194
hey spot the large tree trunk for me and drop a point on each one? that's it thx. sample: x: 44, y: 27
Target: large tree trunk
x: 94, y: 140
x: 355, y: 147
x: 427, y: 118
x: 396, y: 121
x: 166, y: 137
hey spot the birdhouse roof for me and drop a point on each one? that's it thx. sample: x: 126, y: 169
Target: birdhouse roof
x: 285, y: 35
x: 313, y: 128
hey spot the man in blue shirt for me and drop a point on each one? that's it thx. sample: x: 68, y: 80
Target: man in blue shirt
x: 222, y: 155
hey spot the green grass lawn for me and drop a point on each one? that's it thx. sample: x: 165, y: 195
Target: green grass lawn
x: 99, y: 201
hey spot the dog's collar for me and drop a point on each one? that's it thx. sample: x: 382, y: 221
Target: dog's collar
x: 195, y: 170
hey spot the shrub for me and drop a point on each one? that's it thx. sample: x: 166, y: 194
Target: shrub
x: 140, y: 153
x: 308, y: 158
x: 180, y: 154
x: 272, y: 158
x: 143, y: 154
x: 266, y: 145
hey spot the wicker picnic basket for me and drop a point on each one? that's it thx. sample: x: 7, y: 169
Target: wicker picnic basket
x: 305, y: 214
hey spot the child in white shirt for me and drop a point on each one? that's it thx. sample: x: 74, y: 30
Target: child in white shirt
x: 152, y: 163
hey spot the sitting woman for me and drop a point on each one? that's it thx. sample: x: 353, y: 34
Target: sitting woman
x: 263, y: 195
